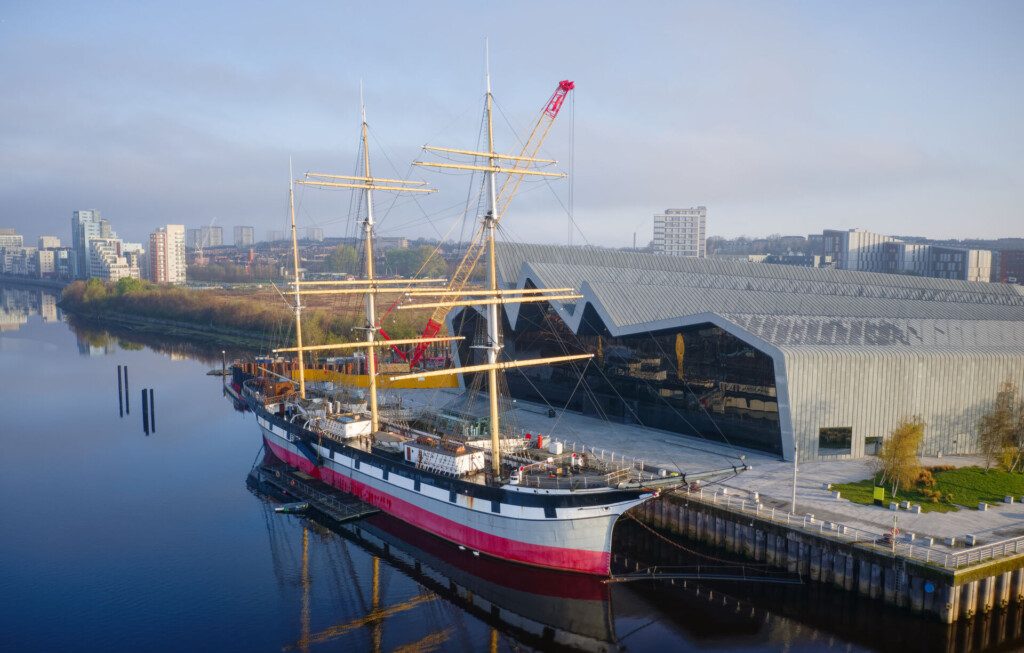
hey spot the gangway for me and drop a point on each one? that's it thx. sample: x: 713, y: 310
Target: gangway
x: 335, y: 504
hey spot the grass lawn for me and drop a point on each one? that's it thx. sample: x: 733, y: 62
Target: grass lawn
x: 968, y: 486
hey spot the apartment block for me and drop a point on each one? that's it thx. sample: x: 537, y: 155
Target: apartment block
x: 681, y: 232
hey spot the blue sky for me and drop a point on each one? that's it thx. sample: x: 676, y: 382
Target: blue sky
x: 780, y: 117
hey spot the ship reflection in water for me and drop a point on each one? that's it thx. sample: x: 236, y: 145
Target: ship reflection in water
x: 534, y: 608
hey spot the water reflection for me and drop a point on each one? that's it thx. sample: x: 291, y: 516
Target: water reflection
x: 96, y: 339
x: 535, y: 608
x: 18, y: 303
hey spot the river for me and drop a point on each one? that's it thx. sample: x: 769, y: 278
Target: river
x: 116, y: 539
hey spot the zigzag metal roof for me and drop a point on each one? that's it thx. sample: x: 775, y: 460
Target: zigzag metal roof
x: 781, y: 305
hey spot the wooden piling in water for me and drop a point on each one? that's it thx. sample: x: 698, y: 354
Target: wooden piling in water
x: 120, y: 398
x: 145, y: 413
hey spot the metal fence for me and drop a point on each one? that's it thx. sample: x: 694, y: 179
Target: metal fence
x: 938, y: 556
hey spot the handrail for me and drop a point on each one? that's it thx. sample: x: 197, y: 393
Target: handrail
x: 853, y: 535
x: 976, y: 554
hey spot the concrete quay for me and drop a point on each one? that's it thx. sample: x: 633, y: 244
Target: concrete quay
x: 826, y: 540
x: 848, y: 559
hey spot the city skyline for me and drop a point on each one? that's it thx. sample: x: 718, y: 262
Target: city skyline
x: 896, y: 119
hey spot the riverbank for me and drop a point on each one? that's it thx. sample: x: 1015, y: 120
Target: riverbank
x: 54, y: 284
x: 258, y: 318
x: 136, y: 324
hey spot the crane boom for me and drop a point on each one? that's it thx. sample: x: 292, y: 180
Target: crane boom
x: 509, y: 187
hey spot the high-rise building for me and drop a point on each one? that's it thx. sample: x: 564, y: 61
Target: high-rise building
x: 45, y: 263
x: 275, y: 235
x: 681, y: 232
x: 244, y: 236
x: 49, y: 242
x: 314, y: 233
x: 109, y: 262
x: 11, y: 238
x: 203, y: 237
x: 65, y: 263
x: 167, y: 254
x: 86, y: 225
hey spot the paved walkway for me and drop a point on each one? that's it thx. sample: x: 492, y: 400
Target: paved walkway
x: 770, y: 477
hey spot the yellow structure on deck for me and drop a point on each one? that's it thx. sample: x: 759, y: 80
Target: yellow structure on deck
x: 363, y: 381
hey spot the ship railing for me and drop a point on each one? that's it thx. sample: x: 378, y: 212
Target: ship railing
x: 599, y: 459
x: 903, y: 545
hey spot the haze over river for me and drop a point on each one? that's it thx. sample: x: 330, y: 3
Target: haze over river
x: 116, y: 540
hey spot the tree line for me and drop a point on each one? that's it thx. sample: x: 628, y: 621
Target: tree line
x: 248, y: 312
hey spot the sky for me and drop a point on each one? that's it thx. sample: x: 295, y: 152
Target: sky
x: 780, y: 117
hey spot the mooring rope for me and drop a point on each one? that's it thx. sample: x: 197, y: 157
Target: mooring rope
x: 691, y: 551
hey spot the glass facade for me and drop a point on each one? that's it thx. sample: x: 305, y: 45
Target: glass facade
x: 696, y: 380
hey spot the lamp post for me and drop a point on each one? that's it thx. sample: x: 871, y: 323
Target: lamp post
x: 796, y: 458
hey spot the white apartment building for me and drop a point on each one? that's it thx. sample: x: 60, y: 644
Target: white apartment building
x: 45, y: 263
x: 959, y: 263
x: 167, y: 254
x: 108, y: 262
x: 203, y: 237
x: 856, y: 249
x: 681, y: 232
x: 11, y: 239
x: 244, y: 236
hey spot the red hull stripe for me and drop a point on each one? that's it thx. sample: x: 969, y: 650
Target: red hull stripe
x: 587, y: 562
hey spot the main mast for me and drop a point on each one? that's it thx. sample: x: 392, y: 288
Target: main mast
x: 493, y: 297
x: 371, y: 309
x: 369, y: 286
x: 298, y: 295
x: 493, y: 325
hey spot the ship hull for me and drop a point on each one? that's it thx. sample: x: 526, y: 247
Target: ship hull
x: 561, y: 536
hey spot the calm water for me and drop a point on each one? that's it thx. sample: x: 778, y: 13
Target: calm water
x: 116, y: 540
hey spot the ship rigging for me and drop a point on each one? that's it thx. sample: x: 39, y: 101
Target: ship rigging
x: 501, y: 495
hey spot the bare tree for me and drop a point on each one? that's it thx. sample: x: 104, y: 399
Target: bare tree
x: 1001, y: 429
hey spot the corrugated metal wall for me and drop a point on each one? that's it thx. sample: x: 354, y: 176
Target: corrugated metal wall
x: 871, y: 391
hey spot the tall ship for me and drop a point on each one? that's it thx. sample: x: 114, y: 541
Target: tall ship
x: 487, y: 489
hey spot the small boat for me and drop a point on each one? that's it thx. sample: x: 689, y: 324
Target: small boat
x: 292, y: 508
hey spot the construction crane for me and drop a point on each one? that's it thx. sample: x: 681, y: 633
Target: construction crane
x: 509, y: 187
x: 203, y: 241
